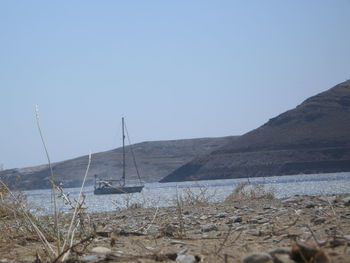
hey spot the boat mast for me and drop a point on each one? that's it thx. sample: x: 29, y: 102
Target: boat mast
x: 123, y: 178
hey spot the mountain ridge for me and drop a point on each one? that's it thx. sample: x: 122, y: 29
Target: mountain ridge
x: 155, y: 160
x: 314, y: 137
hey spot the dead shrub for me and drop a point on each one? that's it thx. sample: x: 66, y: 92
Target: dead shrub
x: 199, y: 196
x: 128, y: 202
x: 250, y: 191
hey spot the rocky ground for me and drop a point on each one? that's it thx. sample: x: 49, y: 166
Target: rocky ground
x: 295, y: 229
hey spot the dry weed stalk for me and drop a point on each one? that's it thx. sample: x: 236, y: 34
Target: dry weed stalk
x: 13, y: 207
x: 146, y: 227
x: 77, y: 209
x: 53, y: 186
x: 179, y: 209
x: 224, y: 244
x: 337, y: 233
x: 62, y: 252
x: 65, y: 251
x: 227, y: 235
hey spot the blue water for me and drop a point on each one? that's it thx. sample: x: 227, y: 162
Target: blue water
x: 156, y: 194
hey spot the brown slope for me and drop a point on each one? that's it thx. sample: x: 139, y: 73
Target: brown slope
x: 312, y: 138
x: 155, y: 160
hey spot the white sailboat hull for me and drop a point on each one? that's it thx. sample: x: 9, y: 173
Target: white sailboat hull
x: 118, y: 190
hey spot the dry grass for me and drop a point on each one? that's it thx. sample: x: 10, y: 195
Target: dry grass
x: 4, y: 211
x: 10, y: 208
x: 55, y: 240
x: 250, y: 191
x: 17, y: 224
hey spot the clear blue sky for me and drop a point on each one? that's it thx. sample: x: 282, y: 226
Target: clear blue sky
x: 174, y: 69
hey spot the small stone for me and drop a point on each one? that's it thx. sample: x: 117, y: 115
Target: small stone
x: 309, y: 205
x: 29, y: 259
x: 267, y: 207
x: 306, y: 253
x: 186, y: 258
x: 203, y: 218
x: 263, y: 221
x: 192, y: 218
x: 299, y: 212
x: 257, y: 258
x: 282, y: 259
x: 279, y: 250
x: 319, y: 220
x: 290, y: 200
x: 209, y: 227
x: 346, y: 201
x: 240, y: 228
x: 101, y: 250
x: 103, y: 233
x: 258, y: 220
x: 221, y: 215
x: 236, y: 219
x: 90, y: 258
x: 253, y: 221
x: 169, y: 230
x: 252, y: 232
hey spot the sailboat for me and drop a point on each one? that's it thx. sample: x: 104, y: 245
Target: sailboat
x: 103, y: 187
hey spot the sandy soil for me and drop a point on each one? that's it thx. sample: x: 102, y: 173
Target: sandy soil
x: 215, y: 232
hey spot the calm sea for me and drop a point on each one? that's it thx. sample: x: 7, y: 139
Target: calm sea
x: 156, y: 194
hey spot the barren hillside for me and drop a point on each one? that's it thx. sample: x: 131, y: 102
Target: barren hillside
x: 312, y: 138
x: 155, y: 160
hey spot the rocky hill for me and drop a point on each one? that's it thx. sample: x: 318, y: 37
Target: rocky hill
x: 312, y: 138
x: 155, y: 160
